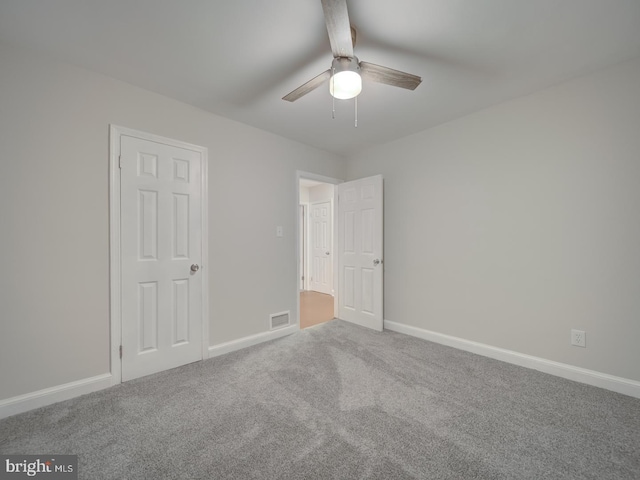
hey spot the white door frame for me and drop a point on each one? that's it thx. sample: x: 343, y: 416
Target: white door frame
x: 115, y: 314
x: 318, y: 178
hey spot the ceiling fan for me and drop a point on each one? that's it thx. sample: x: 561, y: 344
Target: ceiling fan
x: 346, y: 72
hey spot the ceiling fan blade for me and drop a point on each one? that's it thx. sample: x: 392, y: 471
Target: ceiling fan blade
x: 336, y: 17
x: 307, y: 87
x: 376, y: 73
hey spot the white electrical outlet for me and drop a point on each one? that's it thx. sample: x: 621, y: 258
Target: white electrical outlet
x: 578, y: 338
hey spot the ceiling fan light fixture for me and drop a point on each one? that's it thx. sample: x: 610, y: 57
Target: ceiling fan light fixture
x: 345, y: 80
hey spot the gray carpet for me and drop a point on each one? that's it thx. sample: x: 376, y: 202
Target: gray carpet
x: 339, y: 401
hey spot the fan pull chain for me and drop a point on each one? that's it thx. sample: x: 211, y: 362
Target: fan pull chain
x: 333, y: 99
x: 356, y: 112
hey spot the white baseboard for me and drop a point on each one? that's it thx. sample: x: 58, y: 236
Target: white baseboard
x: 590, y: 377
x: 23, y: 403
x: 245, y: 342
x: 29, y: 401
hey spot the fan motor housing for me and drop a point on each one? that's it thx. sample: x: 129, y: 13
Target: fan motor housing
x: 345, y: 64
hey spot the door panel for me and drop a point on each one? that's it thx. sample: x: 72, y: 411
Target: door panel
x: 148, y: 224
x: 360, y: 237
x: 180, y: 312
x: 161, y: 231
x: 180, y: 226
x: 148, y: 316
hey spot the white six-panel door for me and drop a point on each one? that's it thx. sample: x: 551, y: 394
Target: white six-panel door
x: 161, y: 252
x: 302, y: 225
x: 360, y: 236
x: 321, y: 246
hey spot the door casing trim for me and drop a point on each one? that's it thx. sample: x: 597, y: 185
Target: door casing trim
x: 115, y: 280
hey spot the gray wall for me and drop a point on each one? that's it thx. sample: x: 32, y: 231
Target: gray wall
x: 513, y: 225
x: 507, y: 227
x: 54, y: 233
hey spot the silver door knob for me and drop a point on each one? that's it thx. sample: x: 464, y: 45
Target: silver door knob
x: 327, y: 253
x: 195, y: 268
x: 377, y: 262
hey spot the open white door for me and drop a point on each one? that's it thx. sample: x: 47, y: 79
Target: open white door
x: 360, y: 232
x: 321, y: 259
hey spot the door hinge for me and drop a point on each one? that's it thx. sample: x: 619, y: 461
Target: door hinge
x: 120, y: 351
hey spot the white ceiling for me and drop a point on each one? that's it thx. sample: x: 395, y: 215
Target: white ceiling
x: 239, y: 58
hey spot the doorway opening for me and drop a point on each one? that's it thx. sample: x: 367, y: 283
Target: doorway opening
x: 356, y: 250
x: 316, y: 226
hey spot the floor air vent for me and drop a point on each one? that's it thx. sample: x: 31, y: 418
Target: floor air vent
x: 279, y: 320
